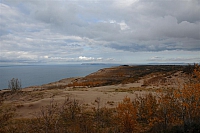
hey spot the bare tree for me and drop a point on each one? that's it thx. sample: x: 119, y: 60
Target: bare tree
x: 14, y: 84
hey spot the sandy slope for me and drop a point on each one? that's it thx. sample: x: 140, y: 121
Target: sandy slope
x: 30, y: 103
x: 30, y: 100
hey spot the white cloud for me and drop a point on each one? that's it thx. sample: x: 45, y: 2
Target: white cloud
x: 85, y: 58
x: 155, y: 58
x: 123, y: 26
x: 93, y: 59
x: 62, y: 30
x: 99, y: 58
x: 185, y: 59
x: 46, y: 56
x: 124, y: 3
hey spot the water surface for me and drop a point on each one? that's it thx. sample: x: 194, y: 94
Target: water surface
x: 43, y: 74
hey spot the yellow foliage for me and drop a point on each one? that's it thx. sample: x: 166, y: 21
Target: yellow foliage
x: 127, y: 116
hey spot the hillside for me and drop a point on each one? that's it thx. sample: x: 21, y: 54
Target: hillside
x: 123, y: 75
x: 104, y: 82
x: 102, y: 90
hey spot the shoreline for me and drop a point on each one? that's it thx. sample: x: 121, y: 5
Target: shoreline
x: 65, y: 81
x: 110, y: 85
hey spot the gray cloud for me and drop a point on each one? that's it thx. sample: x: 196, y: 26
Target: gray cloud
x: 174, y: 59
x: 65, y: 30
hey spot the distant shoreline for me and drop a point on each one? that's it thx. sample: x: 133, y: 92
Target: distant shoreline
x: 45, y: 74
x: 33, y: 75
x: 115, y: 64
x: 93, y: 64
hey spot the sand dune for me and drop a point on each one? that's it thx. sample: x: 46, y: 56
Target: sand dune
x: 30, y: 100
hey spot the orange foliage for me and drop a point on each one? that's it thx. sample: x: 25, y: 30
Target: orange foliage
x: 87, y: 83
x: 189, y: 98
x: 146, y: 109
x: 127, y: 116
x: 176, y: 107
x: 176, y: 110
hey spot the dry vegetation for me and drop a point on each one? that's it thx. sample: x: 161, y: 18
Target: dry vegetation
x: 175, y: 109
x: 125, y: 74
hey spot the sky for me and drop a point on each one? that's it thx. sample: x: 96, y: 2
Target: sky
x: 99, y: 31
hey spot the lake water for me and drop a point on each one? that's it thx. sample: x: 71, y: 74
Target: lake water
x: 43, y: 74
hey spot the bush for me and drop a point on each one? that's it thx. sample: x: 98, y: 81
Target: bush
x: 14, y: 85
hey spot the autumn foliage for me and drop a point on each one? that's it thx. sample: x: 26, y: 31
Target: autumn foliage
x: 175, y: 110
x: 126, y: 113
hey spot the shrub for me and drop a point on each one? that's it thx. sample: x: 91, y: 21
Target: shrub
x: 14, y: 84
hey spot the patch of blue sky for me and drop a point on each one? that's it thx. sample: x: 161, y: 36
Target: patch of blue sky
x: 71, y: 40
x: 74, y: 45
x: 86, y: 48
x: 23, y: 8
x: 88, y: 19
x: 32, y: 30
x: 9, y: 31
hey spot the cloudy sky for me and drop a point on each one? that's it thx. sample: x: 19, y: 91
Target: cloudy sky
x: 103, y: 31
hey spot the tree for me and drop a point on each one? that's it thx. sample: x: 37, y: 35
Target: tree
x: 14, y: 84
x: 189, y: 97
x: 146, y: 107
x: 127, y: 116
